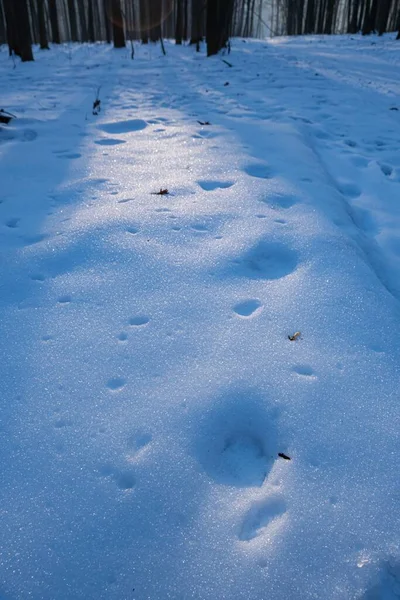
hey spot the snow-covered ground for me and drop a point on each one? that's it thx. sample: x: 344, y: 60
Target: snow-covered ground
x: 147, y: 380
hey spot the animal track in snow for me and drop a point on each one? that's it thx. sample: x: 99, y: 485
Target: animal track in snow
x: 139, y: 321
x: 386, y: 169
x: 267, y: 260
x: 248, y: 308
x: 350, y: 190
x: 109, y: 142
x: 259, y: 170
x: 13, y: 223
x: 138, y: 440
x: 260, y: 517
x: 304, y: 371
x: 199, y: 227
x: 64, y: 299
x: 125, y: 480
x: 281, y: 200
x: 38, y: 277
x: 209, y: 185
x: 115, y: 384
x: 124, y: 126
x: 132, y: 230
x: 70, y: 155
x: 123, y: 336
x: 236, y: 440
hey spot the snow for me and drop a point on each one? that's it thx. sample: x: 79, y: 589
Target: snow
x: 148, y: 382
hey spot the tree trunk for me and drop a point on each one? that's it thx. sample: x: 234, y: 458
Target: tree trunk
x: 155, y: 8
x: 44, y: 44
x: 144, y: 21
x: 18, y: 29
x: 185, y: 20
x: 106, y: 21
x: 310, y: 17
x: 118, y: 26
x: 72, y: 20
x: 196, y: 34
x: 90, y: 22
x: 179, y: 23
x: 55, y: 30
x: 382, y: 16
x: 3, y: 33
x: 219, y: 19
x: 82, y: 20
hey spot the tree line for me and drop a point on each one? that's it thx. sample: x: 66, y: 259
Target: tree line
x: 27, y: 22
x: 302, y: 17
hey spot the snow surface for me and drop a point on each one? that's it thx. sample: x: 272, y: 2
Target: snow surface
x: 148, y: 382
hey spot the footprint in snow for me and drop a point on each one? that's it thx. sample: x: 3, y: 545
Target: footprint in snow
x: 248, y: 308
x: 124, y: 478
x: 262, y: 517
x: 386, y: 169
x: 259, y: 170
x: 304, y: 371
x: 138, y: 321
x: 132, y: 230
x: 115, y: 384
x: 266, y: 260
x: 124, y: 126
x: 280, y: 200
x: 109, y: 142
x: 70, y: 155
x: 13, y: 223
x: 236, y: 440
x: 350, y: 190
x: 210, y: 185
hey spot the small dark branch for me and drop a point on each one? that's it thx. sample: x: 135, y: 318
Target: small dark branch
x: 226, y: 62
x: 97, y: 103
x: 162, y: 192
x: 295, y: 336
x: 285, y: 456
x: 162, y: 45
x: 132, y: 50
x: 204, y: 122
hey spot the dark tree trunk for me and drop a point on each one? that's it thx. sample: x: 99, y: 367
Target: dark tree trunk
x: 382, y: 16
x: 144, y: 21
x: 353, y: 24
x: 90, y: 20
x: 118, y: 26
x: 185, y: 20
x: 106, y: 21
x: 196, y: 34
x: 310, y: 17
x: 18, y: 29
x: 179, y: 22
x: 3, y: 34
x: 44, y: 44
x: 155, y: 8
x: 370, y: 17
x: 55, y: 30
x: 72, y: 20
x: 330, y: 7
x: 219, y: 19
x: 82, y: 20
